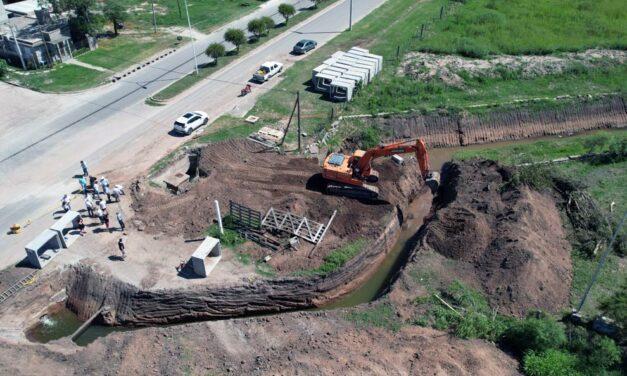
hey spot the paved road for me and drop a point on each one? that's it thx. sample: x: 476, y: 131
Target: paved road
x: 123, y: 134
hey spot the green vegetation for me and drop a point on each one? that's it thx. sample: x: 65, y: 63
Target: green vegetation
x: 264, y: 269
x: 121, y: 52
x: 537, y: 333
x: 337, y: 258
x: 378, y: 315
x: 205, y: 15
x: 114, y: 13
x: 236, y: 37
x: 481, y: 27
x: 205, y: 71
x: 390, y: 92
x: 61, y: 78
x: 550, y: 363
x: 215, y: 51
x: 471, y: 316
x: 4, y: 68
x: 230, y: 238
x: 287, y: 11
x: 536, y: 151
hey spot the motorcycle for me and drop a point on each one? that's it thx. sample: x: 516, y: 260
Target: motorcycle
x: 247, y: 89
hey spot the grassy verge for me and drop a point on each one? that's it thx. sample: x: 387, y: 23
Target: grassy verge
x: 125, y: 50
x: 546, y: 149
x: 205, y: 71
x: 379, y: 315
x: 61, y: 78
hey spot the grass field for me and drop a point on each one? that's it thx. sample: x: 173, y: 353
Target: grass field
x: 204, y: 14
x: 391, y: 92
x: 481, y: 27
x: 62, y: 78
x: 125, y: 50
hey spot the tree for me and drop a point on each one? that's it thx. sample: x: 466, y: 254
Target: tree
x: 215, y: 50
x: 256, y: 27
x: 268, y: 23
x: 115, y: 13
x: 287, y: 11
x: 236, y: 37
x: 82, y: 21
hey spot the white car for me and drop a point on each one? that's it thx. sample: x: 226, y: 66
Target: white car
x: 267, y: 70
x: 190, y: 121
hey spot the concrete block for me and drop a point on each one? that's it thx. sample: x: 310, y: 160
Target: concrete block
x: 206, y: 256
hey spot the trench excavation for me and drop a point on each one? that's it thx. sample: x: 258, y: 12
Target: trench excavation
x: 363, y: 278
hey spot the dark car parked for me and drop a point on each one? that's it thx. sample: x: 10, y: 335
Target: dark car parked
x: 303, y: 46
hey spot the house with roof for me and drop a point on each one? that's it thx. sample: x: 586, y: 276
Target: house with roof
x: 30, y: 37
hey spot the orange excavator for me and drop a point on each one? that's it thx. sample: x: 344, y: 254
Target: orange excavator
x: 349, y: 175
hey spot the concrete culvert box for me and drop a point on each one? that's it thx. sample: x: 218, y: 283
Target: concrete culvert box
x: 206, y: 256
x: 43, y: 248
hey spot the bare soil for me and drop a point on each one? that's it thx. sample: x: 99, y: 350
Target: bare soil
x: 443, y: 130
x: 241, y: 171
x: 507, y: 242
x: 452, y: 69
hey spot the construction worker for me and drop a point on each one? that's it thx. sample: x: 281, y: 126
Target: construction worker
x: 120, y: 219
x: 100, y: 215
x: 96, y: 190
x: 84, y: 167
x: 83, y: 184
x: 65, y: 203
x: 89, y: 205
x: 107, y: 191
x: 122, y: 247
x: 117, y: 192
x: 104, y: 182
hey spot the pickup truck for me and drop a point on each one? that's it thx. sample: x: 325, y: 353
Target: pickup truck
x: 267, y: 70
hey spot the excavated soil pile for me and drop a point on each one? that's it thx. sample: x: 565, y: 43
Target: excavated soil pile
x: 507, y: 242
x: 467, y: 129
x: 239, y: 170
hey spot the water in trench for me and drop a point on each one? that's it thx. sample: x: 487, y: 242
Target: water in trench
x: 64, y: 322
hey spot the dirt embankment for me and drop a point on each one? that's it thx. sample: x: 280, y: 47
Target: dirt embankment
x: 239, y: 170
x: 509, y: 243
x: 300, y: 343
x: 467, y: 129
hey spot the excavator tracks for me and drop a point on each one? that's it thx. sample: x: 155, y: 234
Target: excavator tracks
x: 367, y: 191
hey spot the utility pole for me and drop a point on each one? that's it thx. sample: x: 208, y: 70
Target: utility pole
x: 17, y: 45
x: 189, y: 23
x: 601, y: 262
x: 350, y: 15
x: 154, y: 18
x: 219, y: 215
x: 298, y: 116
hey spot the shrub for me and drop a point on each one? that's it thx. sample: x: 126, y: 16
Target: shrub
x: 381, y: 315
x: 534, y: 333
x: 235, y: 37
x: 615, y: 306
x: 4, y: 67
x: 595, y: 352
x: 550, y: 363
x: 471, y: 48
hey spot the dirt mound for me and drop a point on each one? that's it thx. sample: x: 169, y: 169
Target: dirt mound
x: 512, y: 238
x: 453, y: 69
x: 241, y: 171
